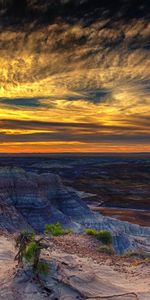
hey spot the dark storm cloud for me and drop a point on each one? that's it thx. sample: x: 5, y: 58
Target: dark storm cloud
x: 46, y: 30
x: 142, y: 121
x: 137, y: 120
x: 72, y: 137
x: 38, y: 125
x: 73, y: 10
x: 71, y: 132
x: 93, y: 95
x: 32, y: 102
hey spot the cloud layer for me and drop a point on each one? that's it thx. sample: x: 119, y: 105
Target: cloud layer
x: 75, y: 78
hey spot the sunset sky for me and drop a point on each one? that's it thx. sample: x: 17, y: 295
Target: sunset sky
x: 75, y: 76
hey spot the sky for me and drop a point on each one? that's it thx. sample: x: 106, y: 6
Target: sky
x: 74, y: 76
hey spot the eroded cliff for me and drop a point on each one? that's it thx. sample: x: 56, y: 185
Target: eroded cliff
x: 32, y: 200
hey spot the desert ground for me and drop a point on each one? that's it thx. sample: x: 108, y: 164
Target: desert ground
x: 77, y: 271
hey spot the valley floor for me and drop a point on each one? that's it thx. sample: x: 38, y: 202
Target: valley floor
x: 76, y: 269
x: 134, y: 216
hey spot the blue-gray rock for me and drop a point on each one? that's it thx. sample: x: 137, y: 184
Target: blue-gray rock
x: 30, y: 200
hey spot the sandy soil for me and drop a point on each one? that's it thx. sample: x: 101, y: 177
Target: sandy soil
x: 77, y: 269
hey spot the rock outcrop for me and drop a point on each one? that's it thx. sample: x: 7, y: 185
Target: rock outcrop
x: 73, y: 273
x: 32, y: 200
x: 36, y: 200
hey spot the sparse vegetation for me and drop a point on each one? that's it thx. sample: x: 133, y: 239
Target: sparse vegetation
x: 138, y: 254
x: 91, y: 231
x: 131, y: 254
x: 29, y: 250
x: 103, y: 236
x: 43, y: 268
x: 56, y: 229
x: 23, y: 240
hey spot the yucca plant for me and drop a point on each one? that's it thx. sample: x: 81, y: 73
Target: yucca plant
x: 22, y: 241
x: 29, y: 250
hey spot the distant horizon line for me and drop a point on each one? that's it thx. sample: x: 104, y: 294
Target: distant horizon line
x: 68, y: 153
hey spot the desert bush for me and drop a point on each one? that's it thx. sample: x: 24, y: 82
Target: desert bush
x: 103, y: 236
x: 107, y: 250
x: 56, y: 229
x: 29, y: 250
x: 43, y: 268
x: 140, y: 254
x: 91, y: 231
x: 23, y: 239
x: 24, y: 235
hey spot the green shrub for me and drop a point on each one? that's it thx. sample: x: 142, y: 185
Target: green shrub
x: 56, y: 229
x: 107, y: 250
x: 91, y: 231
x: 43, y: 268
x: 30, y: 251
x: 23, y: 239
x: 25, y: 236
x: 105, y: 237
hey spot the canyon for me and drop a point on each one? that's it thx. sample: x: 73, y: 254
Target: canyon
x: 31, y: 200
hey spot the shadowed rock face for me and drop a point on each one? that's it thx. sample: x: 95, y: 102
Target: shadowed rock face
x: 29, y: 199
x: 38, y: 199
x: 32, y: 200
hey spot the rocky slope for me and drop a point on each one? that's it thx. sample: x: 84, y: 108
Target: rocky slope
x: 32, y: 200
x: 77, y: 271
x: 39, y: 199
